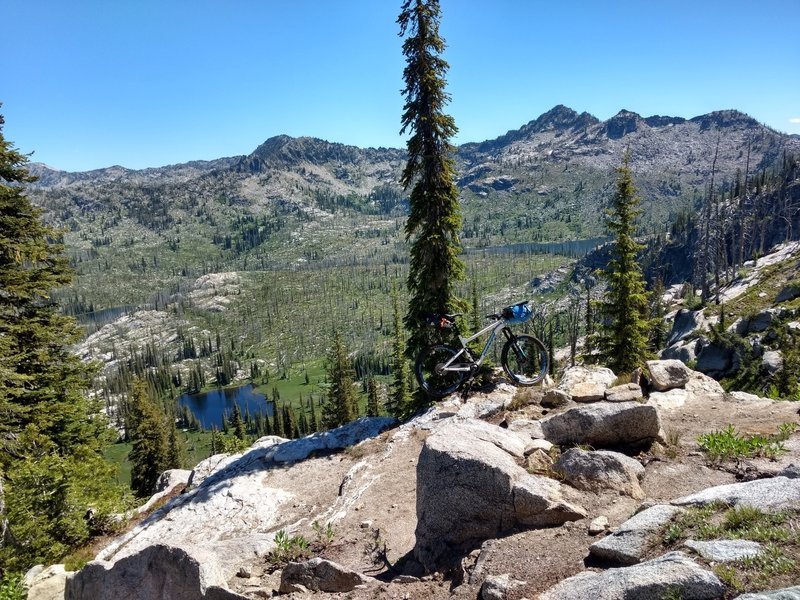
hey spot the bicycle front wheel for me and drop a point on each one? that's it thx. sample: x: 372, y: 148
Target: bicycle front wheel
x: 525, y: 360
x: 430, y: 372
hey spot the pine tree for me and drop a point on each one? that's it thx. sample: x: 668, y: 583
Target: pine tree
x: 373, y: 404
x: 313, y: 425
x: 399, y: 396
x: 176, y: 451
x: 340, y: 402
x: 51, y: 433
x: 434, y: 218
x: 148, y: 435
x: 236, y: 422
x: 622, y: 330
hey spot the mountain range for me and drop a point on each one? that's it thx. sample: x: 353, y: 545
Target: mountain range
x: 300, y: 201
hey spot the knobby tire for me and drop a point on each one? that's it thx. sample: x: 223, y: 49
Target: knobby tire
x: 437, y: 384
x: 525, y: 360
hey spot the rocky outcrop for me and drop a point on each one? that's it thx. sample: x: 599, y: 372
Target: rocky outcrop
x: 341, y: 437
x: 604, y: 425
x: 158, y: 571
x: 684, y: 324
x: 470, y: 488
x: 196, y: 543
x: 601, y: 469
x: 717, y: 360
x: 672, y: 573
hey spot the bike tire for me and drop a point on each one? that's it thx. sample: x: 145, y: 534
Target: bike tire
x: 525, y: 359
x: 435, y: 383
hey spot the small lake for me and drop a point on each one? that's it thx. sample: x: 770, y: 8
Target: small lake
x: 210, y: 408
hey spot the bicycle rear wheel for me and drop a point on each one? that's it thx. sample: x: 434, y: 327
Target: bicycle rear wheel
x: 525, y: 359
x: 428, y: 370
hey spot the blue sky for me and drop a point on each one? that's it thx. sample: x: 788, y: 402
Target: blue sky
x: 140, y: 83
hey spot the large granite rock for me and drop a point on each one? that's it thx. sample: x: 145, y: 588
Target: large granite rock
x: 341, y: 437
x: 717, y: 360
x: 320, y: 575
x: 470, y: 488
x: 47, y: 583
x: 686, y: 322
x: 668, y: 374
x: 724, y: 551
x: 775, y: 493
x: 604, y: 425
x: 627, y: 392
x: 196, y: 543
x: 672, y: 573
x: 159, y: 571
x: 631, y: 540
x: 586, y: 384
x: 684, y: 351
x: 601, y: 469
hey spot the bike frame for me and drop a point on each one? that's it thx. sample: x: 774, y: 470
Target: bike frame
x: 494, y: 328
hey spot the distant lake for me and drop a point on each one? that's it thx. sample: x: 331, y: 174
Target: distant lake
x: 210, y: 408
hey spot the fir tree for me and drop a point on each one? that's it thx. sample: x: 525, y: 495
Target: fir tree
x: 236, y: 423
x: 434, y: 218
x: 313, y: 425
x: 277, y: 421
x: 176, y: 452
x: 51, y: 434
x: 149, y: 456
x: 399, y: 396
x: 622, y: 330
x: 372, y: 398
x: 340, y: 403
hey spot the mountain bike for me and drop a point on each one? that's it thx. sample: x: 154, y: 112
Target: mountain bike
x: 440, y: 369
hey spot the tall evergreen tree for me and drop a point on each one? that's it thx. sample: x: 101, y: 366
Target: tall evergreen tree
x: 340, y: 402
x: 236, y: 422
x: 51, y: 433
x: 147, y: 430
x: 434, y: 218
x: 622, y: 331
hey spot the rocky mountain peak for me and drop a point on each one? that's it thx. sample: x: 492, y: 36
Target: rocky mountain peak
x: 561, y: 117
x: 623, y: 123
x: 726, y: 119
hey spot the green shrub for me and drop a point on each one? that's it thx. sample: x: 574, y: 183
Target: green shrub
x: 726, y: 443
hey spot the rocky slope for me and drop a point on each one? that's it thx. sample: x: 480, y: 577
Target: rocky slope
x: 469, y: 499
